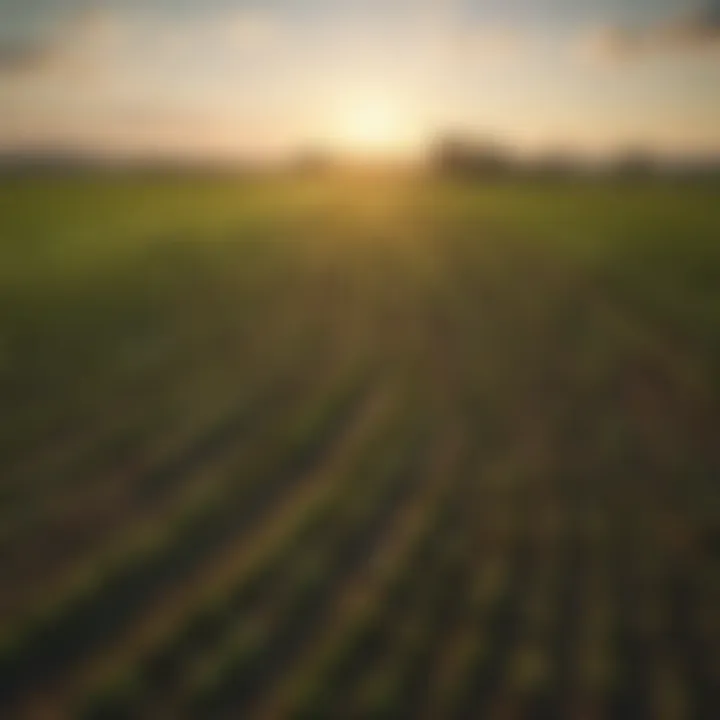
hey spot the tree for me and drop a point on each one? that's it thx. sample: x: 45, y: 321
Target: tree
x: 460, y: 156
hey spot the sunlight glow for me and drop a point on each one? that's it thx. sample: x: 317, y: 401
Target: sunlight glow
x: 373, y: 125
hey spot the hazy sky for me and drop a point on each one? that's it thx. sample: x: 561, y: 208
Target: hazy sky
x: 259, y: 77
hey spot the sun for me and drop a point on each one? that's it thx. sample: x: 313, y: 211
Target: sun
x: 372, y: 125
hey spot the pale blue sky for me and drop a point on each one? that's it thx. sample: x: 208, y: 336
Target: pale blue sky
x: 24, y: 15
x: 234, y: 76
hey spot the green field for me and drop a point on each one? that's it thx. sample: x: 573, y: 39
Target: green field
x: 355, y: 448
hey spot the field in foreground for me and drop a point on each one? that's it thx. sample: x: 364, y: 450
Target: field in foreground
x: 359, y: 450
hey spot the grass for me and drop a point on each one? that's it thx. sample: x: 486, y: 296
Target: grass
x: 358, y: 448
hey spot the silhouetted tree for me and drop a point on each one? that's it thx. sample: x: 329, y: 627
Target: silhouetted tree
x: 635, y: 163
x: 460, y: 156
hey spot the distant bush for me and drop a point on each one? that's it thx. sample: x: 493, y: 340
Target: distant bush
x: 456, y: 155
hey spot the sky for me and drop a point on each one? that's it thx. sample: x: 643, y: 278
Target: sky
x: 262, y: 78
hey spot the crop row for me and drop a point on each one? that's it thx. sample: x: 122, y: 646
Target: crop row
x: 270, y: 572
x: 89, y: 615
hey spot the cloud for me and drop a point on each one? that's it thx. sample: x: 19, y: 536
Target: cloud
x: 240, y: 30
x: 97, y: 40
x: 73, y: 45
x: 692, y: 32
x: 27, y: 56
